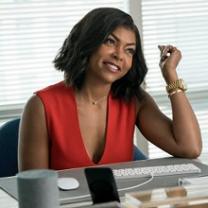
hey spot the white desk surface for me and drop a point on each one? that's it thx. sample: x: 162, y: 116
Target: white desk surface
x: 6, y: 201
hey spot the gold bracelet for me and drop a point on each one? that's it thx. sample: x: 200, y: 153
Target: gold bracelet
x: 174, y: 92
x: 177, y: 84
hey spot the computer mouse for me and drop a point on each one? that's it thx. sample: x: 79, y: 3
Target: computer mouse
x: 67, y: 183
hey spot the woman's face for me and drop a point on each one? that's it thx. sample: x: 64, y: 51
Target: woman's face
x: 113, y: 59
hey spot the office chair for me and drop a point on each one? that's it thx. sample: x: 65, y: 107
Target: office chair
x: 9, y: 143
x: 8, y: 148
x: 138, y: 154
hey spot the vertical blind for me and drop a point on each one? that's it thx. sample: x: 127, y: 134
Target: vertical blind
x: 183, y: 23
x: 31, y: 32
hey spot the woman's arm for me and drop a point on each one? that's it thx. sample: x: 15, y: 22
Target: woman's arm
x: 33, y: 149
x: 181, y: 136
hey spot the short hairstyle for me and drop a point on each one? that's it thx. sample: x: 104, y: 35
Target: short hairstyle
x: 86, y: 37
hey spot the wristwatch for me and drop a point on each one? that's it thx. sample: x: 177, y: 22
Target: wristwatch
x: 178, y: 84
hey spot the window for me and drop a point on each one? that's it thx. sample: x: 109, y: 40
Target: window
x: 32, y: 31
x: 183, y: 23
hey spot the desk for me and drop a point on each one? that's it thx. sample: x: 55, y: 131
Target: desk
x: 9, y: 184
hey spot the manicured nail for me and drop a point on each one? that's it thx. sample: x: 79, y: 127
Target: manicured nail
x: 160, y: 47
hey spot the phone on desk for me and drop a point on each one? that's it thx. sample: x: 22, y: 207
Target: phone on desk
x: 101, y: 184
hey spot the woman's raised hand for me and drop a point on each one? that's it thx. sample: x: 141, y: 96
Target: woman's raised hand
x: 170, y: 56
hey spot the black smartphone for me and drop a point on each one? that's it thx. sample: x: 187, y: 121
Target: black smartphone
x: 101, y: 184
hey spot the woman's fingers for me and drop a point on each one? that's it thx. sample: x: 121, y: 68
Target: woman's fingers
x: 166, y: 51
x: 169, y: 56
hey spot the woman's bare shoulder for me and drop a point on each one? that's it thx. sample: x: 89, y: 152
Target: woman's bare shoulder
x: 34, y: 102
x: 33, y: 109
x: 145, y: 100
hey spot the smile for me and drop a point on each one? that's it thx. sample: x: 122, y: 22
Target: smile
x: 112, y: 67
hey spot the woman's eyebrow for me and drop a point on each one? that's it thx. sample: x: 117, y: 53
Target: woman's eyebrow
x: 117, y: 39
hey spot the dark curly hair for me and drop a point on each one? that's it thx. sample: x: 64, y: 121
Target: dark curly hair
x: 85, y: 38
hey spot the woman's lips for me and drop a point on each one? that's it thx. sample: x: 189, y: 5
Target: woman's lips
x: 112, y: 67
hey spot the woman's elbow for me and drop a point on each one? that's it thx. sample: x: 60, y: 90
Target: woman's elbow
x: 193, y: 152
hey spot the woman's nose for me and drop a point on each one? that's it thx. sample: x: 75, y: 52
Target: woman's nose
x: 118, y: 53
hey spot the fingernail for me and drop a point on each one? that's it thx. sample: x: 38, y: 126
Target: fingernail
x: 160, y: 47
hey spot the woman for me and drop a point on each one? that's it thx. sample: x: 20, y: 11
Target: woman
x: 90, y: 117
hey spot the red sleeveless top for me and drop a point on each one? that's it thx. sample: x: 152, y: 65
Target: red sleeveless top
x: 67, y: 149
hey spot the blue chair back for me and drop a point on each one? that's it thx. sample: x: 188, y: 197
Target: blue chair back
x: 8, y: 148
x: 138, y: 154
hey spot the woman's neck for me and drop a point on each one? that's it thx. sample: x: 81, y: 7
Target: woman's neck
x: 93, y: 94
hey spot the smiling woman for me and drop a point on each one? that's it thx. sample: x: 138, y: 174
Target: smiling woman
x: 113, y: 59
x: 89, y: 118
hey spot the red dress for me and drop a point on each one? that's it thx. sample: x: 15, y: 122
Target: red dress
x: 67, y: 149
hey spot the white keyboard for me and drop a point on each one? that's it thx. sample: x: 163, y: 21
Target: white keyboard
x: 163, y: 170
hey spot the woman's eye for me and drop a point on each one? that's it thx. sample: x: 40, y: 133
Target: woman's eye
x: 109, y: 41
x: 130, y: 51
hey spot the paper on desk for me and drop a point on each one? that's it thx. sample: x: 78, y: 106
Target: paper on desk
x: 193, y: 181
x: 7, y: 201
x: 171, y: 196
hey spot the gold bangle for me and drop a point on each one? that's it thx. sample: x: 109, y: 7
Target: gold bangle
x: 174, y: 92
x: 177, y: 84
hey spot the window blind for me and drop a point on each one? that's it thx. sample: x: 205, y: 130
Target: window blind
x: 31, y: 33
x: 183, y: 23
